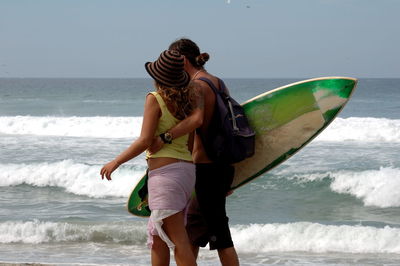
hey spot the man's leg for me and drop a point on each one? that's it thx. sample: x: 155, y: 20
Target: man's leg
x: 195, y: 250
x: 212, y: 184
x: 228, y: 257
x: 196, y: 227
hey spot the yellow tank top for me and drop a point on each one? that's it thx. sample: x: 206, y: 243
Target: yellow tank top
x: 178, y: 149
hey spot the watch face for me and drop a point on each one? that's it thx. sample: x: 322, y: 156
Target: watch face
x: 168, y: 136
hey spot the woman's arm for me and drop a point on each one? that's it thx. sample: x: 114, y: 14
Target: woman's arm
x: 149, y: 125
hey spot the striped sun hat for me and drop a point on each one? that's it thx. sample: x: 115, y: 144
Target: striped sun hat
x: 168, y: 69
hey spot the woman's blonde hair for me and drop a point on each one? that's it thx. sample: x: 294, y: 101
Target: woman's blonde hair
x: 180, y: 101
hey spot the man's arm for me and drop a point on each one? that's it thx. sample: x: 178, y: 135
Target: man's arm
x: 195, y: 120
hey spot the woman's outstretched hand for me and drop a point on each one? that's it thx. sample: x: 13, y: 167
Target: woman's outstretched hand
x: 108, y: 169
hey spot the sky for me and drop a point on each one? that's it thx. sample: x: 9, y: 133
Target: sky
x: 245, y: 38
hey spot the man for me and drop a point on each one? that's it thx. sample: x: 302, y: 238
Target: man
x: 207, y: 220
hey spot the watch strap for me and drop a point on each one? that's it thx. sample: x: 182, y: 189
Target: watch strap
x: 166, y: 137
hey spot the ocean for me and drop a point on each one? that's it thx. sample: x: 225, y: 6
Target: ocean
x: 336, y: 202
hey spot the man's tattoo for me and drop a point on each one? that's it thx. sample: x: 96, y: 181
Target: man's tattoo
x: 199, y: 96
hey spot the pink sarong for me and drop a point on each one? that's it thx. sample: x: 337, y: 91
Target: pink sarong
x: 170, y: 189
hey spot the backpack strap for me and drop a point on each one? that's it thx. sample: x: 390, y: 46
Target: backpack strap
x: 222, y: 88
x: 224, y: 93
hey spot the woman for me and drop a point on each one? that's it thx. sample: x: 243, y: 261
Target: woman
x: 171, y: 171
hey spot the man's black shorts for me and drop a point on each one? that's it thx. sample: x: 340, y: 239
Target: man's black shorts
x: 207, y: 220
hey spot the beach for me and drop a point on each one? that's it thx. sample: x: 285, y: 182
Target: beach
x: 335, y: 202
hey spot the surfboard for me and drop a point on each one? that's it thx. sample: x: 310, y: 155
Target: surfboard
x: 285, y: 120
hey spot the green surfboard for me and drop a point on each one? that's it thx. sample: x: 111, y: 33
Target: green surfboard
x: 285, y: 120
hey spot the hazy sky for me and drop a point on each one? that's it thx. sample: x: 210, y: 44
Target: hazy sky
x: 245, y: 38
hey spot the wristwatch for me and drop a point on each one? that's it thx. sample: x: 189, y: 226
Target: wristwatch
x: 166, y: 137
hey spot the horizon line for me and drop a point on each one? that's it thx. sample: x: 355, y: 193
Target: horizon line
x: 89, y: 77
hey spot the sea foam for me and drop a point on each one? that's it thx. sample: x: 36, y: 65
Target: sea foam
x: 364, y: 129
x: 97, y: 127
x: 361, y: 129
x: 253, y: 238
x: 76, y: 178
x: 36, y: 232
x: 376, y: 187
x: 315, y: 237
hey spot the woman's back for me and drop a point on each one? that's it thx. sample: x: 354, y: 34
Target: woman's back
x: 178, y: 149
